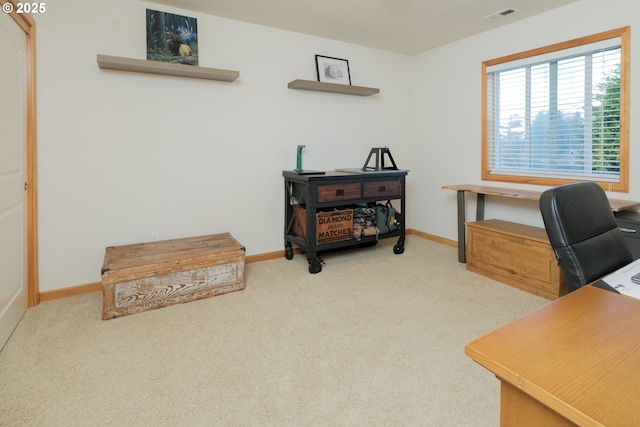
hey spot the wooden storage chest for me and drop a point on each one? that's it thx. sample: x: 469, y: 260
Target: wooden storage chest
x: 144, y: 276
x: 516, y: 254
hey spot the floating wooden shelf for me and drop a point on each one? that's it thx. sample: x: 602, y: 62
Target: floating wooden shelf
x: 156, y: 67
x: 332, y: 87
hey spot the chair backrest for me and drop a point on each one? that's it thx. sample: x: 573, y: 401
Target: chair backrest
x: 583, y: 232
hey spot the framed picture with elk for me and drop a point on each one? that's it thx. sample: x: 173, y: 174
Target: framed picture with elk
x: 172, y: 38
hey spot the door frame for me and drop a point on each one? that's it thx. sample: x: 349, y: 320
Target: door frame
x: 28, y: 25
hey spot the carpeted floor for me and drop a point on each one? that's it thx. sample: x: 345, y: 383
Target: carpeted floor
x: 375, y: 339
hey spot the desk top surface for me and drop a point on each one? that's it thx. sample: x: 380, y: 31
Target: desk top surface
x: 616, y: 204
x: 578, y: 355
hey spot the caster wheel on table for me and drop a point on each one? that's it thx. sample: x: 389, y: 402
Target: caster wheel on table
x: 288, y: 253
x: 315, y: 266
x: 398, y: 249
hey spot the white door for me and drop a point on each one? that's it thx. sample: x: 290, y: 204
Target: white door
x: 13, y: 197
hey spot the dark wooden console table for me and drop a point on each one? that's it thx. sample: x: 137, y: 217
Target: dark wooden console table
x: 328, y: 190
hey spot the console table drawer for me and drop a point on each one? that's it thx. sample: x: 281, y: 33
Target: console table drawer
x: 338, y: 192
x: 381, y: 189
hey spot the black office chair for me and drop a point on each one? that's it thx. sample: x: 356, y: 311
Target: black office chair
x: 583, y: 233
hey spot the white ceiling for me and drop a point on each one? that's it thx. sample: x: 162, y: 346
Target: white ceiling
x: 403, y: 26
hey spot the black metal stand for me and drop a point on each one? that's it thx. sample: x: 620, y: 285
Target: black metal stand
x: 379, y: 154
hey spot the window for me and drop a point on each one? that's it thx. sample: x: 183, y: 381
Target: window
x: 559, y: 114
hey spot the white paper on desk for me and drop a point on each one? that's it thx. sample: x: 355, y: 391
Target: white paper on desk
x: 621, y: 281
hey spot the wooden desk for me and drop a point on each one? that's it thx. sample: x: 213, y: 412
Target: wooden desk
x: 482, y: 190
x: 575, y: 361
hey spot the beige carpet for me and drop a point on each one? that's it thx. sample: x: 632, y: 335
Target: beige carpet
x: 375, y: 339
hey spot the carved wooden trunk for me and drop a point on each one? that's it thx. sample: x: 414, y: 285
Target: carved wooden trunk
x: 144, y: 276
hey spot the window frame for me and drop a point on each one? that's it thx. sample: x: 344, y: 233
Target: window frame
x: 623, y: 184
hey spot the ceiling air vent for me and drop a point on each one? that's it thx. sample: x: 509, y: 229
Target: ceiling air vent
x: 501, y: 14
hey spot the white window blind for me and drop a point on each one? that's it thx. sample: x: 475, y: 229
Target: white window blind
x: 557, y: 115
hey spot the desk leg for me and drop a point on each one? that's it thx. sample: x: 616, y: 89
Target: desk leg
x: 462, y: 239
x: 518, y: 409
x: 480, y: 207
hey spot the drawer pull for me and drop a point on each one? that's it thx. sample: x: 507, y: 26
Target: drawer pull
x: 627, y: 230
x: 340, y: 192
x: 381, y: 189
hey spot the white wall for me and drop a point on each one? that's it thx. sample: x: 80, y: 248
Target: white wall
x: 446, y: 111
x: 124, y: 155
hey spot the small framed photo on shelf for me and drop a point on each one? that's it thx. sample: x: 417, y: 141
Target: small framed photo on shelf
x: 333, y: 70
